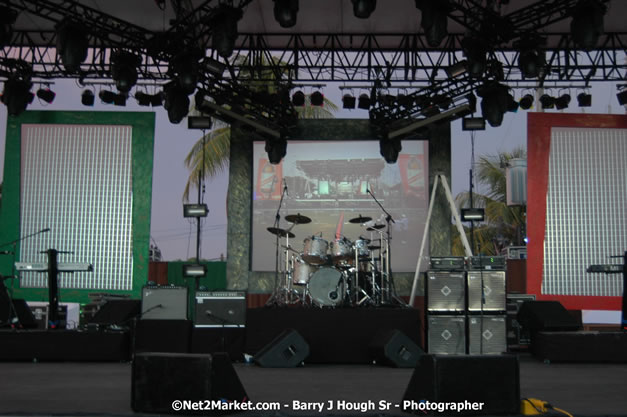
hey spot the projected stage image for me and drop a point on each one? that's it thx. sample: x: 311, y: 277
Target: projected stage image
x: 333, y: 184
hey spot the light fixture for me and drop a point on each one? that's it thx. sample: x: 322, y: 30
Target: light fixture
x: 194, y: 270
x: 457, y: 69
x: 225, y: 29
x: 512, y: 104
x: 185, y: 70
x: 562, y: 101
x: 46, y: 94
x: 176, y: 102
x: 587, y: 23
x: 389, y: 149
x: 473, y: 123
x: 195, y: 210
x: 364, y: 101
x: 584, y: 99
x: 531, y: 62
x: 432, y: 115
x: 72, y: 44
x: 473, y: 214
x: 285, y: 12
x: 475, y: 51
x: 495, y: 102
x: 7, y: 18
x: 298, y: 99
x: 622, y: 97
x: 153, y: 100
x: 547, y: 101
x: 276, y: 149
x: 317, y: 99
x: 434, y: 20
x: 16, y: 95
x: 216, y: 67
x: 87, y: 98
x: 109, y: 97
x: 348, y: 101
x: 199, y: 122
x: 124, y: 70
x: 362, y: 9
x: 526, y: 102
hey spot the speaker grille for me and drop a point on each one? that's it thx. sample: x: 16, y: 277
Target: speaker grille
x: 447, y: 334
x: 494, y: 290
x: 446, y: 291
x: 489, y: 337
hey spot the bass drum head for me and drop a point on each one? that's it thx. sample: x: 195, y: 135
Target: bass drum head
x: 326, y: 287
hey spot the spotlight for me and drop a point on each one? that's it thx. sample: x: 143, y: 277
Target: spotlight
x: 456, y: 69
x: 531, y: 63
x: 495, y: 102
x: 364, y: 101
x: 153, y: 100
x: 434, y: 20
x: 176, y: 102
x: 473, y: 214
x: 298, y: 98
x: 389, y: 149
x: 194, y: 270
x: 547, y: 101
x: 475, y: 51
x: 16, y: 95
x: 195, y: 210
x: 124, y: 70
x: 276, y: 149
x: 7, y: 18
x: 199, y: 122
x: 285, y: 12
x: 587, y: 23
x: 87, y: 98
x: 317, y: 98
x: 622, y: 97
x: 225, y: 30
x: 348, y: 101
x: 109, y: 97
x: 72, y: 44
x: 185, y: 69
x: 512, y: 104
x: 584, y: 100
x: 362, y: 9
x: 562, y: 101
x: 526, y: 102
x: 473, y: 123
x: 46, y: 95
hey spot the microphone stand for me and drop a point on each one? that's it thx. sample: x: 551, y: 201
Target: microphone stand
x: 277, y: 220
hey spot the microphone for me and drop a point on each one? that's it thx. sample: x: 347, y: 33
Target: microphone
x: 6, y: 252
x: 285, y: 188
x: 47, y: 229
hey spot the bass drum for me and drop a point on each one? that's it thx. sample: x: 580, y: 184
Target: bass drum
x: 326, y: 287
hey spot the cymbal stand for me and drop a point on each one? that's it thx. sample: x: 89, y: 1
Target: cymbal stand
x: 276, y: 298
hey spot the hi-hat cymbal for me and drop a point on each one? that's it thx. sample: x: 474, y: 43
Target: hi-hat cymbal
x: 297, y: 218
x: 375, y: 227
x: 360, y: 219
x: 280, y: 232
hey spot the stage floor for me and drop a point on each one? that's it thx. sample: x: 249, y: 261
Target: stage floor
x: 65, y: 389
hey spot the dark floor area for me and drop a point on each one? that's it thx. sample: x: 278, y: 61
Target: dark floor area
x: 104, y: 388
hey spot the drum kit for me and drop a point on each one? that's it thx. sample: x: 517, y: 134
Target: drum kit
x: 337, y: 273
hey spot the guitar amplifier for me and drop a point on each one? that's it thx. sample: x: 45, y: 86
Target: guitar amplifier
x: 493, y: 290
x: 164, y: 303
x: 487, y: 334
x: 446, y: 334
x: 446, y: 291
x: 220, y: 309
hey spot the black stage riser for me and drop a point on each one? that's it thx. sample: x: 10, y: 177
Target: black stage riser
x: 608, y: 347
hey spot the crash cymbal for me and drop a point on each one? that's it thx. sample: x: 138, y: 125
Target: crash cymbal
x: 297, y: 218
x: 280, y: 232
x: 360, y: 219
x: 375, y: 227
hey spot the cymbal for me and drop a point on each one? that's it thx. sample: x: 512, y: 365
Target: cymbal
x: 297, y: 218
x: 280, y: 232
x: 375, y: 227
x: 360, y: 219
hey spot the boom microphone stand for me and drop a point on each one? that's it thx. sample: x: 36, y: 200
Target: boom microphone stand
x: 274, y: 299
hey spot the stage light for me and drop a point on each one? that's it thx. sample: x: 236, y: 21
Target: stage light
x: 215, y: 67
x: 584, y: 99
x: 473, y: 123
x: 512, y: 104
x: 622, y: 97
x: 16, y: 95
x: 276, y: 149
x: 562, y: 101
x: 317, y: 98
x: 194, y: 270
x: 457, y: 69
x: 434, y: 20
x: 348, y: 101
x: 475, y: 52
x: 144, y: 99
x: 531, y: 63
x: 199, y: 122
x: 285, y: 12
x: 176, y: 102
x: 587, y: 23
x: 109, y: 97
x: 473, y: 214
x: 185, y: 70
x: 526, y: 102
x: 225, y: 30
x: 195, y: 210
x: 495, y: 102
x: 364, y: 101
x: 362, y: 9
x: 298, y: 99
x: 547, y: 101
x: 7, y: 18
x: 389, y: 149
x: 72, y: 44
x: 46, y: 95
x: 124, y: 70
x: 87, y: 98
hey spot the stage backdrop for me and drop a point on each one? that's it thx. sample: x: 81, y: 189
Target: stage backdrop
x: 577, y: 206
x: 87, y: 176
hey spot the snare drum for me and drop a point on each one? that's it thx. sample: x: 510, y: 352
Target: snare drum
x: 315, y: 250
x: 302, y: 272
x: 341, y: 250
x: 326, y: 287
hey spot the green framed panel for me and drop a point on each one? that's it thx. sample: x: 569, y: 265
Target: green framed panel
x: 143, y: 127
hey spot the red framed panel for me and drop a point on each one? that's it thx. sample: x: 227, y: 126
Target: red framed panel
x: 539, y: 127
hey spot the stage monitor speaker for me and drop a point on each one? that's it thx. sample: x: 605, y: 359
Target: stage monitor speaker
x: 117, y: 313
x: 446, y: 334
x: 24, y: 319
x: 394, y: 348
x: 172, y: 336
x: 164, y: 303
x: 487, y: 334
x: 287, y: 350
x: 220, y: 309
x: 446, y: 291
x: 158, y: 379
x: 492, y: 380
x: 494, y: 297
x: 539, y: 316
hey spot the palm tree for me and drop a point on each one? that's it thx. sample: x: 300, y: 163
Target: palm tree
x: 503, y: 225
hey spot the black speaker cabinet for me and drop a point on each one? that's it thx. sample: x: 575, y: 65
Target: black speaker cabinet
x: 446, y: 334
x: 287, y: 350
x: 164, y: 303
x: 446, y: 291
x: 490, y: 380
x: 220, y: 309
x: 539, y: 316
x: 394, y: 348
x: 117, y: 313
x: 171, y: 336
x: 160, y: 378
x: 21, y: 317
